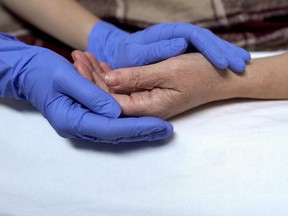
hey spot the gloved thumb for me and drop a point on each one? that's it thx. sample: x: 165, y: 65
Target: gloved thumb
x: 89, y: 95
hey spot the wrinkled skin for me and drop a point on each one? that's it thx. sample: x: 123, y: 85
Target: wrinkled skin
x: 164, y: 89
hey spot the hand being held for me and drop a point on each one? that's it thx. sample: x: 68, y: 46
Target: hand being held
x: 164, y: 89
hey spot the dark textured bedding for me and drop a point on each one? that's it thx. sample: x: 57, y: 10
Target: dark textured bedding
x: 252, y: 24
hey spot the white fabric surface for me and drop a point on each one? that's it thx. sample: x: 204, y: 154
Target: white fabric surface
x: 227, y: 158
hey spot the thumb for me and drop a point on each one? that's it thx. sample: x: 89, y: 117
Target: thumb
x: 132, y: 79
x: 86, y: 93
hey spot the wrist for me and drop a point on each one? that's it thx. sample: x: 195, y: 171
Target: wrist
x: 224, y: 84
x: 264, y: 78
x: 102, y: 40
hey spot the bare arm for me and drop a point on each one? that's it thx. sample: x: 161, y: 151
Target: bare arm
x: 178, y: 84
x: 265, y: 78
x: 66, y: 20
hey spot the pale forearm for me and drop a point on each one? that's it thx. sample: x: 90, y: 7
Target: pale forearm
x: 265, y: 78
x: 66, y: 20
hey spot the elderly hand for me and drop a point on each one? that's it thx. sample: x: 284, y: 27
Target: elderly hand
x: 164, y: 89
x: 159, y: 42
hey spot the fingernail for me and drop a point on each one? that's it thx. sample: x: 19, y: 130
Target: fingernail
x: 74, y: 57
x: 112, y: 79
x: 180, y: 45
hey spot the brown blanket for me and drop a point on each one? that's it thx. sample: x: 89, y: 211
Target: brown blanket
x: 252, y: 24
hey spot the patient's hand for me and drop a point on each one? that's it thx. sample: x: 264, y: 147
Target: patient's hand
x: 170, y: 87
x: 164, y: 89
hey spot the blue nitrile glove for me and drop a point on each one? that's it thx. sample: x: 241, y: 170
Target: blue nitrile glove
x: 75, y: 107
x: 158, y: 42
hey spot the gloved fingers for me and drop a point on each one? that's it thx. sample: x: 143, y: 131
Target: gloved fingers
x: 242, y: 52
x: 125, y: 129
x: 164, y: 49
x: 168, y: 31
x: 202, y: 39
x: 236, y: 64
x: 76, y: 121
x: 206, y: 44
x: 86, y: 93
x: 163, y: 31
x: 233, y: 54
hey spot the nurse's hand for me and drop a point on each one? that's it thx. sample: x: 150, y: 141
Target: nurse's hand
x: 159, y: 42
x: 75, y: 107
x: 164, y: 89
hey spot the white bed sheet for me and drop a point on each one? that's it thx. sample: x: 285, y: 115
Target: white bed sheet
x: 227, y: 158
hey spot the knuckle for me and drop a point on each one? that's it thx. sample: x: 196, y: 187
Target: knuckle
x: 131, y: 79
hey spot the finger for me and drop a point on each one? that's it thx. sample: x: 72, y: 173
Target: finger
x: 205, y: 42
x: 86, y: 93
x: 164, y: 31
x: 164, y: 49
x: 242, y: 52
x: 124, y: 129
x: 168, y: 31
x: 236, y: 63
x: 136, y: 104
x: 71, y: 120
x: 194, y: 35
x: 92, y: 76
x: 96, y: 70
x: 83, y: 63
x: 75, y: 54
x: 94, y: 63
x: 237, y: 66
x: 233, y: 55
x: 105, y: 67
x: 83, y: 70
x: 131, y: 79
x: 88, y: 66
x: 78, y: 55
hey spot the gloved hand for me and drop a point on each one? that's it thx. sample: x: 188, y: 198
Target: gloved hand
x: 75, y: 107
x: 121, y: 49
